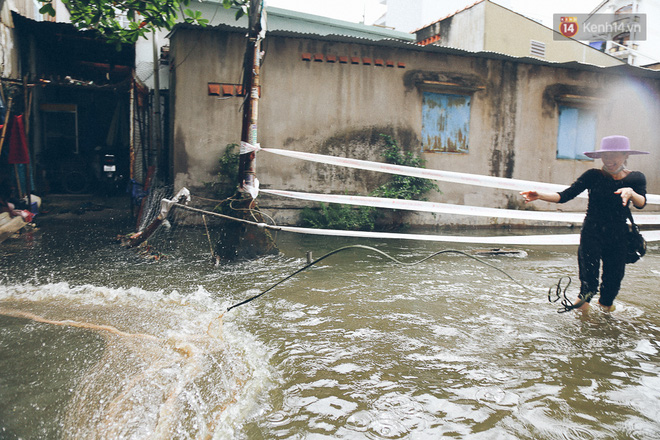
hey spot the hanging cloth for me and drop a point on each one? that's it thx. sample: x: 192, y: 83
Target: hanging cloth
x: 18, y: 149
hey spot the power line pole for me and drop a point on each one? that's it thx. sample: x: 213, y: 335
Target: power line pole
x: 238, y: 240
x: 247, y: 164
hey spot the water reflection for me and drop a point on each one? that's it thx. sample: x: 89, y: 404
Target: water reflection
x: 99, y: 342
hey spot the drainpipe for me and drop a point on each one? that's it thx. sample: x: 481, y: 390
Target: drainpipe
x: 247, y: 163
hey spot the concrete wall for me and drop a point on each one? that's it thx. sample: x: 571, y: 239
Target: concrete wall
x: 202, y: 125
x: 340, y: 109
x: 465, y: 30
x: 487, y: 26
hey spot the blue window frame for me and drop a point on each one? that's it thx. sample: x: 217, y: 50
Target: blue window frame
x: 445, y: 122
x: 577, y: 132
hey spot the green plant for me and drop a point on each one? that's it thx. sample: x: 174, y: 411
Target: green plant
x: 225, y: 185
x: 336, y: 216
x: 144, y: 16
x: 403, y: 187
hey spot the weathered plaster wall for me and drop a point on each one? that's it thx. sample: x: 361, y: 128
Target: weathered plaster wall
x: 203, y: 125
x: 341, y: 108
x: 466, y: 30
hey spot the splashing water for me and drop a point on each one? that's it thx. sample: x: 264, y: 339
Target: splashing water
x: 96, y: 342
x: 151, y: 364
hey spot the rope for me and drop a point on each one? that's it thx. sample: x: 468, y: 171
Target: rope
x: 227, y: 217
x: 251, y: 211
x: 526, y: 240
x: 566, y: 239
x: 231, y: 200
x: 208, y: 235
x: 359, y: 246
x: 77, y: 324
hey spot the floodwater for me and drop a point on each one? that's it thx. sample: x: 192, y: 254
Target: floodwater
x: 100, y: 342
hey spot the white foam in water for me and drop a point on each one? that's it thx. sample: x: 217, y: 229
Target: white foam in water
x: 170, y: 367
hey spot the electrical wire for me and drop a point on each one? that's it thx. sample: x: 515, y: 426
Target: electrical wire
x: 359, y: 246
x: 560, y: 295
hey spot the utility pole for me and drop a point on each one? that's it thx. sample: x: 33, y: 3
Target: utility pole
x: 247, y: 163
x: 238, y: 240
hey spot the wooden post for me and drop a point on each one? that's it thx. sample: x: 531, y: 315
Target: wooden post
x: 27, y: 95
x: 4, y: 126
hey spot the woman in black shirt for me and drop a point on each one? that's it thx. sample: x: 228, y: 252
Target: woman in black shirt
x: 603, y: 235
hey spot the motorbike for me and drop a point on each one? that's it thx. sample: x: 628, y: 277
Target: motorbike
x: 111, y: 178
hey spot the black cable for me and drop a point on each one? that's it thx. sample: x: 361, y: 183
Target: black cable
x: 359, y: 246
x: 567, y: 305
x: 560, y: 294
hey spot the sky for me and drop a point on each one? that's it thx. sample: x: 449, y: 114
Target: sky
x: 370, y: 10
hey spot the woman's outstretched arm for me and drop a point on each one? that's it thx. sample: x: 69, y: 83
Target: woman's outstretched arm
x: 530, y: 196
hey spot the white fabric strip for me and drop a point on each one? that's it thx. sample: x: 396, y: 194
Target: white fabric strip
x: 425, y: 173
x: 529, y: 240
x: 247, y: 147
x: 446, y: 208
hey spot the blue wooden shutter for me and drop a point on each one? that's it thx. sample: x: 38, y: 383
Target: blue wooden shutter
x: 445, y: 122
x: 577, y: 132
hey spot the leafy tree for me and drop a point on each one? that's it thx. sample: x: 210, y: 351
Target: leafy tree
x: 144, y: 16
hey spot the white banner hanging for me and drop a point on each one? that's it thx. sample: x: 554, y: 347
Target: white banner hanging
x: 425, y: 173
x: 446, y: 208
x: 529, y: 240
x: 247, y: 147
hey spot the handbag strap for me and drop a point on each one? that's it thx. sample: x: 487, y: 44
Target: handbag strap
x: 630, y: 217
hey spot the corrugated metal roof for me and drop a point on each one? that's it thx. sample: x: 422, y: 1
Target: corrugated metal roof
x: 283, y: 19
x: 286, y: 20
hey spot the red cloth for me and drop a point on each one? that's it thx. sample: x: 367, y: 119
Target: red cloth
x: 18, y: 150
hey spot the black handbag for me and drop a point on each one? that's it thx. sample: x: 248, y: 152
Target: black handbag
x: 635, y: 243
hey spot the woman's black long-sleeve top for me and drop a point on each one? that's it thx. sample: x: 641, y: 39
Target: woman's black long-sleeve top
x: 604, y: 210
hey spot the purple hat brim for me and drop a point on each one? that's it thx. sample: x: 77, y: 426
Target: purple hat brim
x: 598, y: 154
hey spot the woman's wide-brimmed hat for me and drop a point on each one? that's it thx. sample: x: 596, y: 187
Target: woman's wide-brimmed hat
x: 616, y: 144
